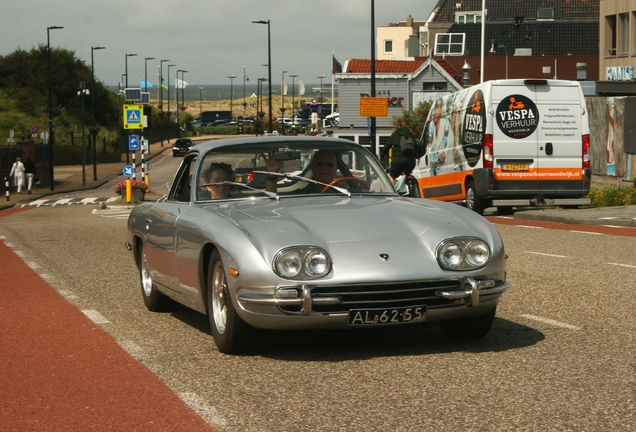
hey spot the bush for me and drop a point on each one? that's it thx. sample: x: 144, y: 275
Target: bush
x: 612, y: 196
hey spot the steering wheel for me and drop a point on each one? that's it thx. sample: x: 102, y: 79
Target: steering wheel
x: 343, y: 179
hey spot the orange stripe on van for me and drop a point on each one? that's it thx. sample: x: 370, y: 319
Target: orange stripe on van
x: 540, y: 174
x: 444, y: 180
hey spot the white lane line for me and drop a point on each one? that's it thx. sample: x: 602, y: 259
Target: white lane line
x: 529, y: 226
x: 46, y: 277
x: 545, y: 254
x: 608, y: 218
x: 623, y: 265
x: 551, y: 322
x: 95, y: 316
x: 33, y: 265
x: 614, y: 226
x: 133, y: 349
x: 69, y: 295
x: 586, y: 232
x: 205, y: 410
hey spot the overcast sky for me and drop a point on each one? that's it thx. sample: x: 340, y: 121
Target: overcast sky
x: 209, y: 38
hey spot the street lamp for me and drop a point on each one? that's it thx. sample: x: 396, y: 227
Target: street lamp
x: 93, y: 131
x: 269, y: 69
x: 83, y: 91
x: 282, y: 94
x: 161, y: 62
x: 179, y: 107
x: 146, y: 72
x: 231, y: 77
x: 293, y: 77
x: 372, y: 122
x: 321, y: 77
x: 128, y: 55
x: 244, y: 103
x: 50, y: 125
x: 169, y: 112
x: 200, y: 99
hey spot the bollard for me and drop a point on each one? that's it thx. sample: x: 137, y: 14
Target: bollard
x: 129, y: 190
x: 6, y: 185
x: 133, y: 165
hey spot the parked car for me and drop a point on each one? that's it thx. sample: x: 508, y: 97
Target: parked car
x: 181, y: 146
x: 321, y: 239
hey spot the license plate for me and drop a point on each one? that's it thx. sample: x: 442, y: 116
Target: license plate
x: 515, y: 167
x: 362, y: 317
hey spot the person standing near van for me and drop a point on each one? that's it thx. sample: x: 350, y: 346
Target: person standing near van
x: 404, y: 154
x: 17, y: 170
x: 29, y: 169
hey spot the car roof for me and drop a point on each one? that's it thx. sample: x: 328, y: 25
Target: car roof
x: 324, y: 142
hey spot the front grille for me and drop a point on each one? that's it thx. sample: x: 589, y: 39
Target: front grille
x: 381, y: 296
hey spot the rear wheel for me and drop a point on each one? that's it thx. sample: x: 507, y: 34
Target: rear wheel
x: 469, y: 327
x: 153, y: 299
x: 473, y: 202
x: 231, y: 334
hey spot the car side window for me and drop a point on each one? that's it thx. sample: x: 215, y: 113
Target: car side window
x: 183, y: 185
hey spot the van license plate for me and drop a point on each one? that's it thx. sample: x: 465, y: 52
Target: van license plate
x: 515, y: 167
x: 386, y: 316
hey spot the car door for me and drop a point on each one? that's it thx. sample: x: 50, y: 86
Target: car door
x: 515, y: 137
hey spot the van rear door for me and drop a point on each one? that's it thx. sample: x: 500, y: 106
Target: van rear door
x: 537, y: 136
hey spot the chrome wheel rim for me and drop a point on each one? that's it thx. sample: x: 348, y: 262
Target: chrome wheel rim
x: 146, y: 280
x: 219, y: 298
x: 470, y: 198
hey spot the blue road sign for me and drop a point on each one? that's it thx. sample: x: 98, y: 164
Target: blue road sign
x: 133, y: 142
x: 128, y: 171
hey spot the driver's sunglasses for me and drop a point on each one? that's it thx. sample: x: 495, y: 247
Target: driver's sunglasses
x: 323, y: 163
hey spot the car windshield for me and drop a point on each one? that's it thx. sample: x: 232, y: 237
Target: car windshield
x: 290, y: 170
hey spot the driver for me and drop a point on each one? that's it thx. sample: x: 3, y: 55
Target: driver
x: 323, y: 168
x: 218, y: 173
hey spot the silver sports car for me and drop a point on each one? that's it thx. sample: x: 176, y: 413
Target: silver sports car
x: 299, y: 233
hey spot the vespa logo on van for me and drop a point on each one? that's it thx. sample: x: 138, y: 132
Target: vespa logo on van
x: 474, y: 127
x: 517, y: 116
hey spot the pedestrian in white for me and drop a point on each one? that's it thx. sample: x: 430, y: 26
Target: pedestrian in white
x: 18, y: 170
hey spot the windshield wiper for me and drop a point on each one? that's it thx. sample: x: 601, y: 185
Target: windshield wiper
x: 273, y: 195
x: 305, y: 179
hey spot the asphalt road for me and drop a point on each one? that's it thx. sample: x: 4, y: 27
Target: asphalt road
x: 561, y: 354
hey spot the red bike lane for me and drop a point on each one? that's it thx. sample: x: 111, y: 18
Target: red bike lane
x: 60, y: 371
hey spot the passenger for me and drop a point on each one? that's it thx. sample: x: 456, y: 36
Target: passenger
x: 218, y: 173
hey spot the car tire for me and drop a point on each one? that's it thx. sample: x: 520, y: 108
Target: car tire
x: 231, y: 334
x: 469, y: 327
x: 153, y: 299
x: 473, y: 201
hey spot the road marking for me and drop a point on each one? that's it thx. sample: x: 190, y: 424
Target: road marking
x: 133, y: 349
x: 95, y: 316
x: 551, y: 322
x: 545, y: 254
x: 205, y: 410
x: 46, y: 277
x: 62, y: 201
x: 623, y: 265
x: 68, y: 294
x: 586, y: 232
x: 530, y: 226
x: 33, y: 265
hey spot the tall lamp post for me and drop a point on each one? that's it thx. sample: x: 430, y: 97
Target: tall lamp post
x: 128, y: 55
x: 321, y: 77
x: 146, y: 72
x: 169, y: 112
x: 282, y: 94
x: 50, y: 125
x: 506, y: 51
x: 244, y: 103
x: 161, y: 116
x: 93, y: 131
x: 269, y: 69
x: 293, y: 78
x: 231, y: 77
x: 372, y: 119
x: 178, y: 106
x: 81, y: 93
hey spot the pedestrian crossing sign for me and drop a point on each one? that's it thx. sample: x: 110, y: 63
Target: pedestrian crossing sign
x: 133, y: 116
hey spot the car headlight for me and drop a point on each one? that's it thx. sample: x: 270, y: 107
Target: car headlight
x: 302, y: 262
x: 463, y: 253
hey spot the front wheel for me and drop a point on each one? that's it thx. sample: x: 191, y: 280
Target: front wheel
x: 231, y: 334
x: 470, y: 327
x: 473, y: 201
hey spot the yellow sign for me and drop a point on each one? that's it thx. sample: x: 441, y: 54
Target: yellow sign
x: 374, y: 107
x: 133, y: 116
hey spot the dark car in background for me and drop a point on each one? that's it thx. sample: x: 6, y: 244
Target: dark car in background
x: 181, y: 146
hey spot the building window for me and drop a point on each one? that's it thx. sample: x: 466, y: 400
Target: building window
x: 388, y: 46
x: 468, y: 17
x: 624, y: 32
x: 449, y: 43
x: 610, y: 35
x: 545, y: 14
x: 435, y: 86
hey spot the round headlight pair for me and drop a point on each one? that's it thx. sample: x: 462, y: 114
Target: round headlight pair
x: 302, y: 262
x: 463, y: 254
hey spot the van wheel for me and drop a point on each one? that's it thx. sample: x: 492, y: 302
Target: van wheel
x: 473, y: 202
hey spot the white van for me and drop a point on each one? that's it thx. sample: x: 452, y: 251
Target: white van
x: 508, y: 143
